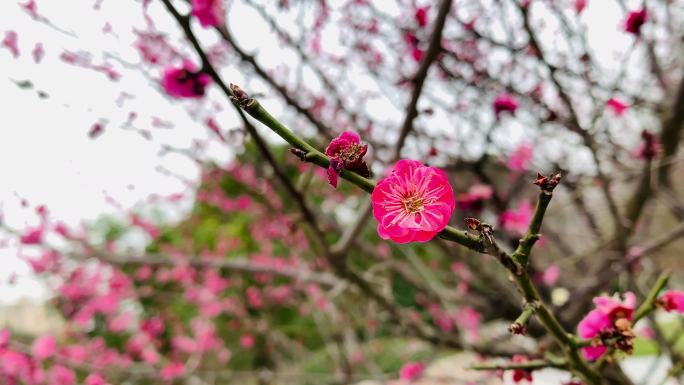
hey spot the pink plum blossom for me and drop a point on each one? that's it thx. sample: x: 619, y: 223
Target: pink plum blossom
x: 346, y: 153
x: 412, y: 42
x: 672, y: 300
x: 411, y: 371
x: 413, y: 203
x: 120, y: 322
x: 602, y: 319
x: 185, y: 82
x: 520, y: 158
x: 10, y: 42
x: 60, y: 375
x: 172, y: 371
x: 473, y: 199
x: 516, y: 220
x: 504, y: 103
x: 210, y: 13
x: 580, y: 5
x: 618, y: 107
x: 48, y: 260
x: 551, y: 275
x: 38, y: 52
x: 520, y: 375
x: 635, y: 20
x: 32, y: 236
x: 247, y: 341
x: 4, y: 338
x: 421, y: 16
x: 649, y: 147
x: 95, y: 379
x: 44, y: 347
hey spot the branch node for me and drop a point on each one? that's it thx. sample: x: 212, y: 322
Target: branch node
x: 519, y: 326
x: 301, y: 154
x: 548, y: 183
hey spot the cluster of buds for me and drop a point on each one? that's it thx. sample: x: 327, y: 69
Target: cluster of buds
x: 548, y: 183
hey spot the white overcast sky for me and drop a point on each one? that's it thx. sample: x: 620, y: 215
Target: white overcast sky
x: 46, y: 155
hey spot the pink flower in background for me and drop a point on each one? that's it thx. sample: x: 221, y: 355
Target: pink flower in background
x: 421, y: 16
x: 646, y: 332
x: 411, y: 371
x: 152, y: 230
x: 516, y: 220
x: 412, y: 43
x: 469, y: 319
x: 48, y: 260
x: 210, y: 13
x: 473, y: 199
x: 32, y: 236
x: 44, y: 347
x: 185, y: 82
x: 154, y: 47
x: 551, y: 275
x: 520, y: 375
x: 4, y: 338
x: 580, y: 5
x: 635, y: 20
x: 504, y: 103
x: 38, y: 52
x: 60, y: 375
x: 413, y: 203
x: 95, y: 379
x: 120, y: 322
x: 617, y: 106
x: 602, y: 320
x: 520, y: 158
x: 346, y: 153
x: 172, y: 371
x: 253, y: 297
x: 10, y: 42
x: 96, y: 130
x: 672, y: 300
x: 247, y: 341
x: 649, y: 147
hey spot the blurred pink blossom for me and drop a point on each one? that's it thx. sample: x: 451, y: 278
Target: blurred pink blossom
x: 521, y: 157
x: 210, y: 13
x: 411, y: 371
x: 516, y: 220
x: 618, y: 107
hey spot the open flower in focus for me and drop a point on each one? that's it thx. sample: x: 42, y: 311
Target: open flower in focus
x: 413, y: 203
x: 611, y: 319
x: 346, y: 153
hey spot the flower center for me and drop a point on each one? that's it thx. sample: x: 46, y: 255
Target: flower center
x: 413, y: 203
x: 350, y: 153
